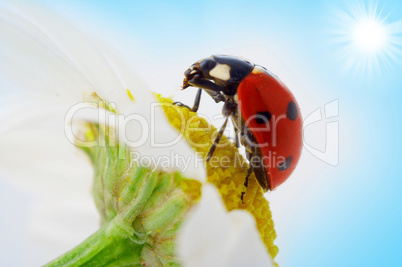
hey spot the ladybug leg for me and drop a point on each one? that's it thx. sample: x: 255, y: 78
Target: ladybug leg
x: 249, y: 172
x: 204, y: 84
x: 216, y: 96
x: 217, y: 138
x: 237, y: 141
x: 211, y: 88
x: 180, y: 104
x: 196, y: 102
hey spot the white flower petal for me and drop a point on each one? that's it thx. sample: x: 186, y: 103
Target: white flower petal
x: 53, y: 47
x: 35, y: 153
x: 211, y: 236
x: 246, y: 245
x: 31, y: 33
x: 50, y: 64
x: 163, y: 141
x: 68, y: 222
x: 30, y: 63
x: 36, y: 156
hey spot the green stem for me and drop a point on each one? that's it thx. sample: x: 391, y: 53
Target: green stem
x: 108, y: 246
x: 141, y: 210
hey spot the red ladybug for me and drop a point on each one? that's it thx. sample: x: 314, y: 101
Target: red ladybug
x: 264, y: 111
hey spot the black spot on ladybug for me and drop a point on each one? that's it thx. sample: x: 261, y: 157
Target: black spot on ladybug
x: 263, y: 117
x: 292, y: 111
x: 285, y: 164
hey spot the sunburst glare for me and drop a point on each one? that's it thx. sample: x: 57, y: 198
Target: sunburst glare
x: 369, y: 35
x: 368, y: 41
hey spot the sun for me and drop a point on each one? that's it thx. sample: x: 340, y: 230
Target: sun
x: 369, y: 35
x: 367, y: 41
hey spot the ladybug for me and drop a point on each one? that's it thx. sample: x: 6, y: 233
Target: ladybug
x: 264, y: 112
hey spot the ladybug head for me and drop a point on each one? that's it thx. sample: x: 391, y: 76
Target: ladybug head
x: 218, y: 73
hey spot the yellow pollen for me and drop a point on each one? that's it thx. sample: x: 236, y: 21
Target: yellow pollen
x: 120, y: 199
x: 228, y: 178
x: 130, y: 95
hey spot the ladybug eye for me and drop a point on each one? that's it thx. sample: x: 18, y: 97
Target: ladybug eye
x: 292, y: 112
x: 263, y: 117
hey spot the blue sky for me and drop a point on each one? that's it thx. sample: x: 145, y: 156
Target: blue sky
x: 348, y: 215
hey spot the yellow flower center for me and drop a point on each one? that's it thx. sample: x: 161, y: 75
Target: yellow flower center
x: 227, y: 171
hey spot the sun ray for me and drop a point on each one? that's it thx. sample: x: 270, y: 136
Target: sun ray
x: 368, y: 42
